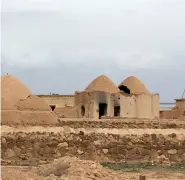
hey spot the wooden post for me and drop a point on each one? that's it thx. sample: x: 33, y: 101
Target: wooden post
x: 142, y: 177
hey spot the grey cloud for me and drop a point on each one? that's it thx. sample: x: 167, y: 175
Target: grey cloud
x: 65, y: 80
x: 83, y: 39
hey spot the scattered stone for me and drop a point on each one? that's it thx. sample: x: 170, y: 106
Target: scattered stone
x: 159, y: 152
x: 105, y: 151
x: 9, y: 153
x: 181, y: 137
x: 62, y: 145
x: 98, y: 142
x: 80, y: 152
x: 42, y: 162
x: 3, y: 140
x: 172, y: 151
x: 17, y: 150
x: 9, y: 162
x: 81, y: 133
x: 173, y: 135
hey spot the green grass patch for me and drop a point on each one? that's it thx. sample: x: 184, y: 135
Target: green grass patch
x: 137, y: 167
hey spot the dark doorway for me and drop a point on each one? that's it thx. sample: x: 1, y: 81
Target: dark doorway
x: 102, y: 110
x: 125, y: 89
x: 116, y: 110
x: 82, y: 111
x: 52, y: 107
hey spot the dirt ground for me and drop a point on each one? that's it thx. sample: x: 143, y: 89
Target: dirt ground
x: 69, y: 168
x: 29, y: 129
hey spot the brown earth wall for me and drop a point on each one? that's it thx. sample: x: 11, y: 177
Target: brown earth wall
x: 36, y: 148
x: 119, y: 124
x: 59, y: 100
x: 26, y: 119
x: 170, y: 114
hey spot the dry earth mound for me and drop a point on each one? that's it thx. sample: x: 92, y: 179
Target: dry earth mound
x: 73, y: 168
x: 33, y: 103
x: 66, y: 112
x: 30, y: 111
x: 102, y: 83
x: 5, y: 105
x: 20, y: 107
x: 19, y: 174
x: 12, y: 89
x: 135, y: 85
x: 33, y: 118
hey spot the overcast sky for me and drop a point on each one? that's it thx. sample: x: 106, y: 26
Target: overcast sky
x: 59, y: 46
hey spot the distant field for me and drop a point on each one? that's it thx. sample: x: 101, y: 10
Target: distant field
x: 166, y: 106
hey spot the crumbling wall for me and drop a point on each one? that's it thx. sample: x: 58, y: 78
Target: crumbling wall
x: 139, y: 106
x: 180, y: 103
x: 67, y: 112
x: 177, y: 112
x: 59, y: 100
x: 87, y: 100
x: 123, y: 123
x: 144, y: 106
x: 34, y: 118
x: 114, y: 101
x: 155, y: 105
x: 104, y: 97
x: 170, y: 114
x: 91, y: 100
x: 38, y: 147
x: 128, y: 106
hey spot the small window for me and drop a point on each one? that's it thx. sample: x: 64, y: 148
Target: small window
x: 52, y: 107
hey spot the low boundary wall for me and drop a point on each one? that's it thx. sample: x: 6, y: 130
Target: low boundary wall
x: 122, y: 124
x: 37, y: 147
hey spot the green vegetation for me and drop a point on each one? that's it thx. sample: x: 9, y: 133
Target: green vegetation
x: 136, y: 167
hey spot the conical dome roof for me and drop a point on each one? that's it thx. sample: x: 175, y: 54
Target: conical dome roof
x: 12, y: 89
x: 135, y: 85
x: 102, y: 83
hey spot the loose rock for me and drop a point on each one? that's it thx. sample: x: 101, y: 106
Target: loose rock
x: 62, y: 145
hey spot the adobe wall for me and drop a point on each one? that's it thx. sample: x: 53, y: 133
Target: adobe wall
x: 87, y: 100
x: 90, y: 122
x: 122, y: 123
x: 180, y: 103
x: 59, y: 100
x: 33, y: 118
x: 178, y: 112
x: 140, y: 106
x: 170, y: 114
x: 128, y: 106
x: 37, y: 147
x: 91, y: 100
x: 103, y: 97
x: 144, y: 106
x: 155, y: 105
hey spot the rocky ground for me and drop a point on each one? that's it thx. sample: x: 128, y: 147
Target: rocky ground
x: 68, y: 168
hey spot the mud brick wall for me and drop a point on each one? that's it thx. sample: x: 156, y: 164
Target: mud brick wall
x: 109, y: 123
x: 124, y: 123
x: 37, y: 148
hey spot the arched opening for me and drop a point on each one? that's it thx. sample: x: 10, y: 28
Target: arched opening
x: 125, y: 89
x: 52, y: 107
x: 82, y: 111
